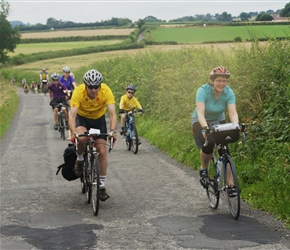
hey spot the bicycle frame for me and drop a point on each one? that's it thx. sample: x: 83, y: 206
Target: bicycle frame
x: 130, y: 121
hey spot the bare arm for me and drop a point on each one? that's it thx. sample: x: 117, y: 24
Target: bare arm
x: 233, y: 113
x: 113, y: 116
x: 74, y: 84
x: 50, y: 94
x: 200, y: 107
x: 72, y: 119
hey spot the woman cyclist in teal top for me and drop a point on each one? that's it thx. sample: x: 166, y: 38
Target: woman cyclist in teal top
x: 212, y: 100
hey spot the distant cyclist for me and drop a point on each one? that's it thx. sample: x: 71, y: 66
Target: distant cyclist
x: 57, y: 94
x: 67, y: 80
x: 44, y: 79
x: 32, y: 87
x: 128, y: 102
x: 23, y: 82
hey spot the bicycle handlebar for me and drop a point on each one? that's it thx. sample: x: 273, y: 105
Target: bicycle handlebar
x: 131, y: 112
x: 95, y: 134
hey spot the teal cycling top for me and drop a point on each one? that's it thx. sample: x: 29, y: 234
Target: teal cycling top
x: 214, y: 109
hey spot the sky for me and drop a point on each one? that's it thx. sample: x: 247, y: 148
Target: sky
x: 85, y: 11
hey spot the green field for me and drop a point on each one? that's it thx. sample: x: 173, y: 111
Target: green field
x: 215, y: 34
x: 29, y: 48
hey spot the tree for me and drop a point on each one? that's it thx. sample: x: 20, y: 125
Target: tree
x: 264, y: 17
x: 286, y: 11
x: 245, y: 16
x: 140, y: 23
x: 9, y: 36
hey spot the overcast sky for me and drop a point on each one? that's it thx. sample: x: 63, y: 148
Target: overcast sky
x: 95, y: 11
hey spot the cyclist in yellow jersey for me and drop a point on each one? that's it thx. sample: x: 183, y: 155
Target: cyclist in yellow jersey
x: 88, y: 106
x: 128, y: 102
x: 44, y: 79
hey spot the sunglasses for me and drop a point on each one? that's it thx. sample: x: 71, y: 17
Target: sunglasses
x: 130, y: 92
x: 93, y: 87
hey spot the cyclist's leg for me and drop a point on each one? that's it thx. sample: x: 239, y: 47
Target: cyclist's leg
x: 123, y: 117
x: 55, y: 113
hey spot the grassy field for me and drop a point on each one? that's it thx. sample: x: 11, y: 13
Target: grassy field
x: 76, y: 62
x: 224, y: 33
x: 68, y: 33
x: 29, y: 48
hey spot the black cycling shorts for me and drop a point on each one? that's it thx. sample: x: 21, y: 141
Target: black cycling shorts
x: 54, y: 102
x: 91, y: 123
x: 199, y: 139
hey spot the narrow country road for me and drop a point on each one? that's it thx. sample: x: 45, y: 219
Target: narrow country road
x: 155, y: 202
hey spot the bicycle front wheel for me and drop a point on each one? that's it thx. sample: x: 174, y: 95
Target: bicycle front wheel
x: 61, y: 126
x: 212, y: 191
x: 135, y: 139
x: 95, y: 186
x: 87, y: 178
x: 233, y: 195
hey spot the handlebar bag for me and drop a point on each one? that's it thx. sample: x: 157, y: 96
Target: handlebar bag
x: 226, y: 133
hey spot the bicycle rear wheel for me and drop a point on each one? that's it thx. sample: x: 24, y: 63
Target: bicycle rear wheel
x: 135, y: 139
x: 95, y: 177
x: 233, y: 198
x: 212, y: 191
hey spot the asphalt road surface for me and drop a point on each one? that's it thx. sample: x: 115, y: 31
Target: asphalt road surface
x: 155, y: 202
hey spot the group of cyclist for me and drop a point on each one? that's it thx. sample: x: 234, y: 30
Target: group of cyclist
x: 90, y: 100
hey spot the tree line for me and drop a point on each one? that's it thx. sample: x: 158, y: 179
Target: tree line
x: 53, y: 23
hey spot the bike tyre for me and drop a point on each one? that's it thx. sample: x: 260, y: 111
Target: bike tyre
x: 128, y: 139
x: 134, y: 141
x: 62, y: 126
x: 212, y: 192
x: 88, y: 178
x: 234, y: 203
x: 95, y: 177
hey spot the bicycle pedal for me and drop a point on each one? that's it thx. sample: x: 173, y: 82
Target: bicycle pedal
x: 204, y: 182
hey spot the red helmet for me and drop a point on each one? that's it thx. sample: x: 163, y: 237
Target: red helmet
x: 219, y: 71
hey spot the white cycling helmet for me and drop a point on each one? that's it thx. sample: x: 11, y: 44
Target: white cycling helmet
x: 66, y: 69
x: 93, y: 78
x: 55, y: 76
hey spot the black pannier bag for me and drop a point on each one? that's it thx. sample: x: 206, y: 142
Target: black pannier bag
x: 226, y: 133
x: 67, y: 168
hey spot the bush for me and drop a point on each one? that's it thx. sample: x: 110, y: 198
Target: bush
x: 237, y: 39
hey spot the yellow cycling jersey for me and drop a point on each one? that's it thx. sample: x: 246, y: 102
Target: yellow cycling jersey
x: 44, y: 75
x: 92, y: 109
x: 129, y: 104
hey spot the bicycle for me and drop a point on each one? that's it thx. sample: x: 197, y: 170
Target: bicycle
x: 44, y: 88
x: 90, y: 179
x: 61, y: 120
x: 130, y: 131
x: 221, y: 170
